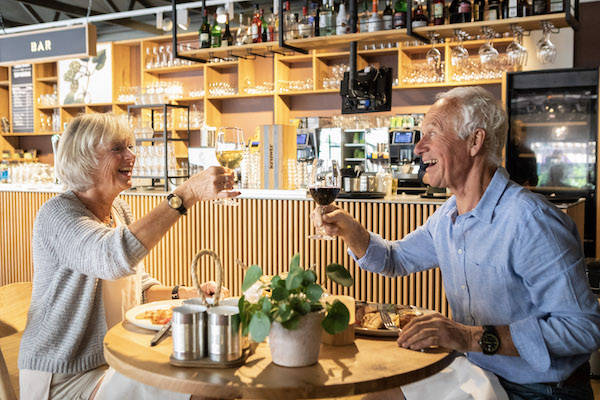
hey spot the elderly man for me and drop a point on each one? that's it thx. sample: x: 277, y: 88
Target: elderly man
x: 512, y: 263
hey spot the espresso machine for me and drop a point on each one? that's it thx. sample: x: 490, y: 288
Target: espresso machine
x: 405, y: 164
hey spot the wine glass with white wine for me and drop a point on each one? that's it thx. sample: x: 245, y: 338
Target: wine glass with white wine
x: 229, y: 149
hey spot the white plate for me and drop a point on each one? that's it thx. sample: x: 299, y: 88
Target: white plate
x: 130, y: 316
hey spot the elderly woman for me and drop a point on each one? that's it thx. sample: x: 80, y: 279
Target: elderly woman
x: 87, y: 256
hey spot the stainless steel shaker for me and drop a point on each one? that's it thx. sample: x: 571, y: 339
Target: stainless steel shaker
x: 185, y: 333
x: 199, y: 305
x: 224, y: 333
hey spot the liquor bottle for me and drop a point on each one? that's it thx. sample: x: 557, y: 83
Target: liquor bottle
x: 539, y: 7
x: 492, y: 11
x: 256, y: 28
x: 438, y: 12
x: 419, y: 18
x: 275, y: 17
x: 227, y: 38
x: 504, y: 9
x: 305, y: 24
x: 523, y: 10
x: 326, y: 19
x: 205, y: 30
x: 317, y: 20
x: 263, y: 27
x: 271, y: 27
x: 215, y: 34
x: 388, y: 16
x: 556, y: 6
x: 478, y: 10
x: 375, y: 21
x: 341, y: 25
x: 363, y: 17
x: 400, y: 14
x: 464, y: 11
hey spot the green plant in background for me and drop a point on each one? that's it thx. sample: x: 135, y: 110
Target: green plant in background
x: 290, y: 298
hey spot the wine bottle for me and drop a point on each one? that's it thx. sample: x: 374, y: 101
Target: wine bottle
x: 438, y: 12
x: 478, y: 10
x: 419, y: 19
x: 464, y: 11
x: 256, y: 28
x: 400, y: 14
x: 341, y: 25
x: 215, y: 34
x: 305, y: 24
x: 326, y: 19
x: 388, y: 16
x: 263, y: 27
x: 227, y: 38
x: 205, y: 30
x: 492, y: 13
x: 363, y: 18
x: 375, y: 21
x: 317, y: 20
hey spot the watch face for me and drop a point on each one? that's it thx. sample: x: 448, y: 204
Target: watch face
x: 489, y: 343
x: 175, y: 201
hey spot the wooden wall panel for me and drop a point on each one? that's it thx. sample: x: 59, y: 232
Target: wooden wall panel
x: 263, y: 232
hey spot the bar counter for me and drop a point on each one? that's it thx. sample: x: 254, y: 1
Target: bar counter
x: 267, y: 228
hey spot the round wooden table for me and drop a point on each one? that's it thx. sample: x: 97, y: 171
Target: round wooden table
x: 369, y: 365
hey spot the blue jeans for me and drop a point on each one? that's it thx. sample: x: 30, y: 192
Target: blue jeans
x: 540, y: 391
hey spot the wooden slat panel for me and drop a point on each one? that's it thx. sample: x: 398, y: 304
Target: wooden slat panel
x: 263, y: 232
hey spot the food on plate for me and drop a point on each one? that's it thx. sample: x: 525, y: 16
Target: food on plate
x: 157, y: 316
x: 368, y: 317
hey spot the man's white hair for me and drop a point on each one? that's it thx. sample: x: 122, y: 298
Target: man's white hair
x: 77, y: 159
x: 477, y: 108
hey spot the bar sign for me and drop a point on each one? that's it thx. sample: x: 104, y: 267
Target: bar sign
x: 48, y: 45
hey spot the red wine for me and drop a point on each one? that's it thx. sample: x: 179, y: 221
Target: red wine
x: 324, y: 195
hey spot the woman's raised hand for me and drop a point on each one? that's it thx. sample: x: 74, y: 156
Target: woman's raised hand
x: 209, y: 184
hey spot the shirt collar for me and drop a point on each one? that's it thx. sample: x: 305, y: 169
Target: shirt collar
x: 485, y: 208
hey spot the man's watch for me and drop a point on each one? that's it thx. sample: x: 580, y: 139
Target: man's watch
x: 175, y: 293
x: 490, y: 341
x: 176, y: 203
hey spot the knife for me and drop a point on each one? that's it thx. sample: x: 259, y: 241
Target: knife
x: 159, y: 335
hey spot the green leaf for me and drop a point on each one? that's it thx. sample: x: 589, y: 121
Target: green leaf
x: 279, y: 293
x: 294, y: 278
x: 314, y: 292
x: 295, y: 262
x: 260, y: 325
x: 339, y: 274
x: 292, y: 323
x: 337, y: 318
x: 284, y: 313
x: 70, y: 99
x: 266, y: 305
x: 100, y: 60
x: 277, y: 281
x: 309, y: 277
x: 242, y: 304
x: 252, y: 275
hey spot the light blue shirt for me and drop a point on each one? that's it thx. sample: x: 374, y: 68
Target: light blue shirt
x: 514, y: 260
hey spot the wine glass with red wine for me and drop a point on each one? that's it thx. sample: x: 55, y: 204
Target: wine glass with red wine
x: 324, y: 186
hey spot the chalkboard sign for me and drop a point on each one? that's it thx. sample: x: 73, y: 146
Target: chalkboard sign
x: 22, y: 97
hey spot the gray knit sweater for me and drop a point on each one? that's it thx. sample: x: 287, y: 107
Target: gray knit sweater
x: 72, y: 252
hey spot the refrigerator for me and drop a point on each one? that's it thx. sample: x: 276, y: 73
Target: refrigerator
x: 552, y: 139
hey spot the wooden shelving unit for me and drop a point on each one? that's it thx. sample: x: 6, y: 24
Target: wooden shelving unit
x: 257, y: 63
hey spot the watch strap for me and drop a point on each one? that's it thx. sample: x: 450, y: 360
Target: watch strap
x: 175, y: 293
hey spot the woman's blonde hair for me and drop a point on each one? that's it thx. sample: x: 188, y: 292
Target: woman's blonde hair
x: 76, y: 160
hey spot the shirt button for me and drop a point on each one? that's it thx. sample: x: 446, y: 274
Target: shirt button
x: 460, y: 251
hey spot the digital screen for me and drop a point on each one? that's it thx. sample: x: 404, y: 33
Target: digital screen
x: 403, y: 137
x: 301, y: 138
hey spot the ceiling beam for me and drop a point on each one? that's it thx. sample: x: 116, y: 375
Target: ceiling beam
x: 32, y: 13
x: 10, y: 23
x: 56, y: 16
x: 145, y: 3
x: 82, y: 12
x: 111, y: 5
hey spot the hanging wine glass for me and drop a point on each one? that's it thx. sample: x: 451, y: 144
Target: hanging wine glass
x: 546, y: 50
x: 433, y: 55
x: 516, y: 52
x: 458, y: 54
x: 488, y: 55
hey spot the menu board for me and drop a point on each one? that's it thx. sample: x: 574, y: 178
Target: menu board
x: 22, y: 97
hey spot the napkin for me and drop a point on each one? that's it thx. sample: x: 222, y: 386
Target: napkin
x: 461, y: 380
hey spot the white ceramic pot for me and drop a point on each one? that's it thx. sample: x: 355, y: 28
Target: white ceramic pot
x: 298, y: 347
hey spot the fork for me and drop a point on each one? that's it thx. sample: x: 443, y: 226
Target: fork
x: 387, y: 321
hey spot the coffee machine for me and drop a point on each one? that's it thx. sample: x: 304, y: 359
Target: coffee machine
x: 405, y: 164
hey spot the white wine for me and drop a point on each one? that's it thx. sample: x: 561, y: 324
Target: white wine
x: 230, y: 158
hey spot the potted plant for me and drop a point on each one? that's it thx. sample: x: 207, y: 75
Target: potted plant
x: 289, y: 310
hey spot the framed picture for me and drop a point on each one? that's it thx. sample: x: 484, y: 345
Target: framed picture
x: 86, y: 80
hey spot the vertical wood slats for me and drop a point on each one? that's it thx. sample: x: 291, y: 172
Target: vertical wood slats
x: 258, y: 231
